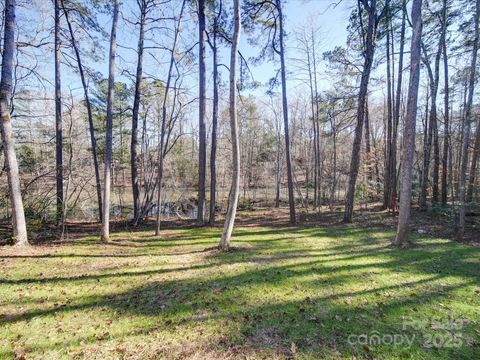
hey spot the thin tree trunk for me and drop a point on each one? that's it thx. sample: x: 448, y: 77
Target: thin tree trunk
x: 58, y: 119
x: 8, y: 142
x: 367, y: 66
x: 446, y: 138
x: 109, y: 141
x: 387, y: 197
x: 291, y: 195
x: 135, y: 113
x: 213, y: 151
x: 398, y: 97
x: 467, y: 125
x: 202, y: 149
x: 409, y: 127
x: 234, y: 190
x: 161, y: 146
x: 91, y: 126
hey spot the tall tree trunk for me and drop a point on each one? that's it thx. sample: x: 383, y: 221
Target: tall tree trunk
x: 213, y: 151
x: 314, y: 127
x: 235, y: 187
x: 135, y: 113
x: 409, y: 127
x: 109, y: 141
x: 58, y: 119
x: 91, y: 127
x: 467, y: 124
x: 446, y: 139
x: 202, y: 148
x: 362, y: 95
x: 8, y: 142
x: 291, y: 195
x: 387, y: 197
x: 398, y: 97
x: 161, y: 146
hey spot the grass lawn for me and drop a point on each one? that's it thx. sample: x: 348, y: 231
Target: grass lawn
x: 282, y: 293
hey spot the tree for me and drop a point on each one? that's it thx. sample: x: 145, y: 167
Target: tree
x: 281, y: 53
x: 91, y: 127
x: 216, y: 85
x: 467, y: 121
x: 235, y: 186
x: 202, y: 89
x: 108, y: 151
x: 370, y: 7
x: 58, y: 117
x: 409, y: 126
x: 11, y: 165
x: 161, y: 146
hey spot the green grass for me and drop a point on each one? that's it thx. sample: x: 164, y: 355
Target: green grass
x: 283, y: 293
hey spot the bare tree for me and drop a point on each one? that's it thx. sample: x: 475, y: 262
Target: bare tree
x: 18, y: 214
x: 369, y: 49
x: 283, y: 72
x: 409, y: 127
x: 202, y: 149
x: 58, y: 116
x: 161, y: 146
x: 108, y: 151
x: 235, y: 186
x: 91, y: 127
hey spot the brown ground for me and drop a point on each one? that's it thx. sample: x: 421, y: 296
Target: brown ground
x: 373, y: 216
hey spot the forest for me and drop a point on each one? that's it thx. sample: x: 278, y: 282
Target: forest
x: 241, y: 179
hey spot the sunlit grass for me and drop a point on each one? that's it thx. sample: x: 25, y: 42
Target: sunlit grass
x: 283, y: 292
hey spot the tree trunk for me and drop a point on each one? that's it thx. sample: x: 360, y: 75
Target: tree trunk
x: 446, y: 138
x: 202, y: 149
x: 362, y: 95
x: 109, y: 141
x: 91, y: 126
x: 234, y: 190
x: 467, y: 125
x: 291, y: 195
x: 398, y: 97
x: 387, y: 196
x: 58, y: 119
x: 161, y: 146
x: 8, y: 142
x: 135, y: 113
x: 409, y: 127
x: 213, y: 151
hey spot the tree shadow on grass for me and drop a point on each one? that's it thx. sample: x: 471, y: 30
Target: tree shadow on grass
x: 314, y: 303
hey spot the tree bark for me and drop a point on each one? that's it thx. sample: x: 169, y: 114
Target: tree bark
x: 362, y: 95
x: 8, y: 142
x: 202, y: 149
x: 58, y: 118
x: 446, y: 138
x: 135, y: 113
x: 213, y: 151
x: 398, y: 97
x: 105, y: 235
x: 467, y: 124
x: 409, y: 127
x: 235, y: 187
x: 291, y: 194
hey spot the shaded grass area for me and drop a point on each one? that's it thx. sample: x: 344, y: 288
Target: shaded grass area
x: 282, y: 293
